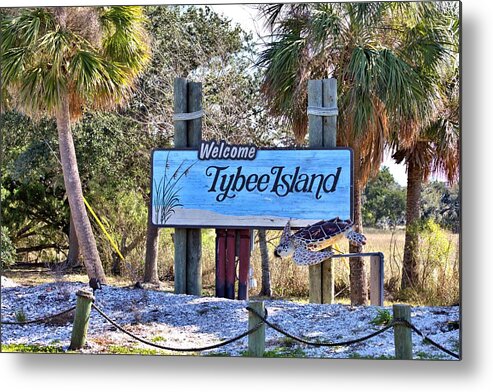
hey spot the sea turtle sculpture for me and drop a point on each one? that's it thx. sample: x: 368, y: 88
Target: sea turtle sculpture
x: 307, y: 244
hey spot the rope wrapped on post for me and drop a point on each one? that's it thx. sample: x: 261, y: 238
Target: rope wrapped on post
x: 213, y: 346
x: 188, y: 116
x: 39, y: 320
x: 322, y: 111
x: 425, y: 338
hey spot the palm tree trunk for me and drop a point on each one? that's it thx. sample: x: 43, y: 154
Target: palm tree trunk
x: 73, y: 247
x: 265, y: 290
x: 73, y: 188
x: 152, y: 240
x: 357, y: 269
x: 410, y: 260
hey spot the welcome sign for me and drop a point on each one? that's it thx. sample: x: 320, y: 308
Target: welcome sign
x: 222, y: 185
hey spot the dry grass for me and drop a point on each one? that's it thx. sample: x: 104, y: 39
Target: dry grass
x: 441, y: 284
x: 440, y: 275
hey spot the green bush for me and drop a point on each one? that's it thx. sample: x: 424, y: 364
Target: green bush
x: 7, y: 249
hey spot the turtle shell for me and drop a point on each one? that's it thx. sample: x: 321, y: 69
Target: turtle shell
x: 323, y: 231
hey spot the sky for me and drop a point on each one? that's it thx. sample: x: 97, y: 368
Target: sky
x: 247, y: 17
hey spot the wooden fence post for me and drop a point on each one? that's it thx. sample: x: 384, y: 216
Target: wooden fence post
x: 402, y: 334
x: 322, y: 131
x: 256, y: 340
x: 188, y: 242
x: 81, y: 319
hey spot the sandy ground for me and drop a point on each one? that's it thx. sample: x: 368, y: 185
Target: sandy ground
x: 185, y: 321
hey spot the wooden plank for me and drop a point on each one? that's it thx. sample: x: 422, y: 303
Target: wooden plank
x: 266, y: 192
x: 194, y: 236
x: 194, y: 263
x: 221, y: 263
x: 180, y: 241
x: 230, y: 263
x: 320, y: 94
x: 402, y: 334
x: 256, y: 340
x: 376, y: 281
x: 180, y: 139
x: 180, y: 106
x: 315, y: 281
x: 315, y: 139
x: 315, y: 123
x: 329, y: 99
x: 194, y: 136
x: 244, y: 264
x: 330, y: 122
x: 327, y: 289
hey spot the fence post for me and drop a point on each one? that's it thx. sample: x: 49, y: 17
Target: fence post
x: 256, y: 340
x: 322, y: 131
x: 81, y: 319
x: 402, y: 334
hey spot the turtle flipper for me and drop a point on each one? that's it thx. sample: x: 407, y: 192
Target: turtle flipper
x: 303, y: 256
x: 356, y: 238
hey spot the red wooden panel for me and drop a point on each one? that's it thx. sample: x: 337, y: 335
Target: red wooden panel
x: 230, y: 263
x: 244, y: 264
x: 220, y: 263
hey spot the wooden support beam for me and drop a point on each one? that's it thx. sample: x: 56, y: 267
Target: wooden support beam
x: 220, y: 263
x: 244, y: 264
x: 188, y: 242
x: 376, y: 280
x: 180, y: 139
x: 322, y: 131
x: 230, y: 263
x: 194, y: 236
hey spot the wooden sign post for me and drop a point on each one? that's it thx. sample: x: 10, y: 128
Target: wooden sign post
x: 188, y: 241
x: 322, y: 131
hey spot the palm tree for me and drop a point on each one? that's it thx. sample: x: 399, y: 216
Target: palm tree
x: 59, y: 61
x: 436, y: 151
x: 435, y: 148
x: 369, y: 48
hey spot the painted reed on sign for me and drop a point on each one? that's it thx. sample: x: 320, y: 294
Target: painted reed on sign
x: 167, y: 195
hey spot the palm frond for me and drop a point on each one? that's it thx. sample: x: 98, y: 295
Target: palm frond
x: 43, y: 61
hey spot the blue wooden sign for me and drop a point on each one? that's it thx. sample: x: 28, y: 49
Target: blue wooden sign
x: 239, y: 186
